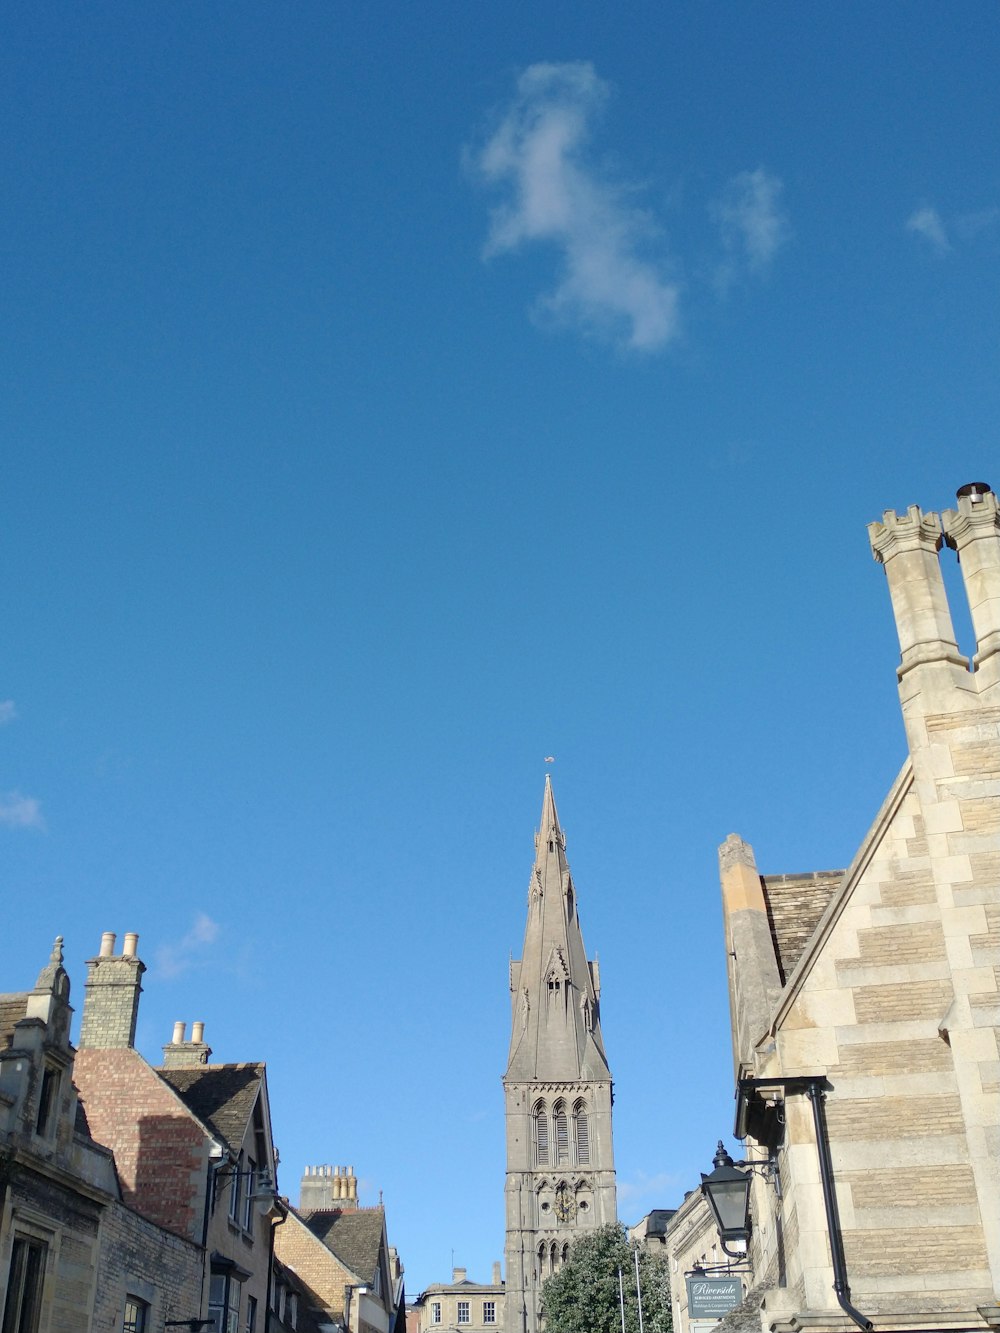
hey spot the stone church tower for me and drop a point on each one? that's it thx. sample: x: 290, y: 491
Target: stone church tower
x: 560, y: 1161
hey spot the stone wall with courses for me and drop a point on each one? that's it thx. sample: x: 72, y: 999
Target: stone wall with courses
x: 915, y: 944
x: 67, y: 1224
x: 141, y: 1259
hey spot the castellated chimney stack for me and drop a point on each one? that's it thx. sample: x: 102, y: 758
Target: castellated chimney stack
x: 973, y: 531
x: 931, y: 667
x: 324, y: 1187
x: 111, y: 996
x: 181, y: 1054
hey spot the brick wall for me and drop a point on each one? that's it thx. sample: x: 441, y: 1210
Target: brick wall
x: 160, y: 1149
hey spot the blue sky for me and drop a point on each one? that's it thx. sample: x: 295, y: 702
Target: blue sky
x: 393, y: 396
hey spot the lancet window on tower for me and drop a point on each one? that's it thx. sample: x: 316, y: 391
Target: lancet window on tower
x: 581, y: 1133
x: 560, y: 1123
x: 541, y: 1132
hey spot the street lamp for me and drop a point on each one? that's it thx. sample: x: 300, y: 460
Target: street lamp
x: 727, y: 1190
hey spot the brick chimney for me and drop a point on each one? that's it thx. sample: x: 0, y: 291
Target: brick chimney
x: 111, y: 995
x: 181, y: 1054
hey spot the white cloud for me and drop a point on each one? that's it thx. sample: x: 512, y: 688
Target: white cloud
x: 751, y: 222
x: 928, y: 223
x: 7, y: 711
x: 557, y: 194
x: 659, y: 1189
x: 17, y: 811
x: 174, y: 959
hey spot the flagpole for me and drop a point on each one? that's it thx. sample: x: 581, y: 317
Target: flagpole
x: 621, y: 1298
x: 638, y: 1289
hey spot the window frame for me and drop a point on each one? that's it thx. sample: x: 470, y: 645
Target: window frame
x: 139, y: 1323
x: 463, y: 1312
x: 489, y: 1312
x: 22, y: 1306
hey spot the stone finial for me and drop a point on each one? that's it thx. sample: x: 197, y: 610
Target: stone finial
x: 57, y: 951
x: 734, y: 851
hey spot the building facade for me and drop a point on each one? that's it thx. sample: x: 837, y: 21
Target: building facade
x: 866, y: 1003
x: 557, y: 1087
x: 462, y: 1305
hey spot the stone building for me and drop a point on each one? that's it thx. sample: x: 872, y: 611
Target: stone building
x: 348, y: 1277
x: 865, y: 1003
x: 192, y: 1146
x: 557, y: 1088
x: 73, y: 1256
x: 462, y: 1305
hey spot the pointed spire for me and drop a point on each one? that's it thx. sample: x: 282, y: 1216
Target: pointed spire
x: 555, y: 1022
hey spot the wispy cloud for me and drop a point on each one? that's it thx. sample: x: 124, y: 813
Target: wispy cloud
x: 610, y: 285
x: 17, y: 811
x: 752, y: 224
x: 7, y: 711
x: 928, y: 223
x: 172, y: 960
x: 660, y: 1189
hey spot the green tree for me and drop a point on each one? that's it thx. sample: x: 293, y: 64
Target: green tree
x: 583, y: 1296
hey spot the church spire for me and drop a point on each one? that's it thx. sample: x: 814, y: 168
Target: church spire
x: 557, y: 1088
x: 555, y: 991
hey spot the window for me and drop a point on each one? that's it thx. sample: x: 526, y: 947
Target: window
x: 541, y: 1135
x: 436, y: 1312
x: 463, y: 1312
x: 224, y: 1302
x: 489, y: 1312
x: 562, y: 1133
x: 251, y: 1324
x: 136, y: 1315
x: 235, y: 1180
x: 581, y: 1132
x: 47, y: 1101
x: 24, y: 1289
x: 251, y: 1183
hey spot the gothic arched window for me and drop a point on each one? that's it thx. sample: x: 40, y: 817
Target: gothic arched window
x: 561, y: 1126
x: 581, y: 1132
x: 541, y: 1131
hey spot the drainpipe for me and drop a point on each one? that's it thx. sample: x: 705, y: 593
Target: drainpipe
x: 841, y: 1288
x: 813, y: 1088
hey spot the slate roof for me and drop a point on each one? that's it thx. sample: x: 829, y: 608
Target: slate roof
x: 355, y: 1237
x: 795, y: 904
x: 12, y: 1010
x: 221, y: 1096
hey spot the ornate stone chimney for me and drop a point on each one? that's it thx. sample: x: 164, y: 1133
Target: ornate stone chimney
x: 328, y: 1187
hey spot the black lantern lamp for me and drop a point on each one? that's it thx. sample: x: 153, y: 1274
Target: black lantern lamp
x: 727, y: 1190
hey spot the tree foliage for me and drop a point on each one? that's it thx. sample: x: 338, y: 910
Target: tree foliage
x: 583, y: 1296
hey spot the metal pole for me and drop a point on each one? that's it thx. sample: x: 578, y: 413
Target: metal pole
x: 621, y: 1298
x: 638, y: 1288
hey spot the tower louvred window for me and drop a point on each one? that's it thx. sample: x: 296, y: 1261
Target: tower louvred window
x: 582, y: 1134
x: 541, y: 1136
x: 562, y: 1134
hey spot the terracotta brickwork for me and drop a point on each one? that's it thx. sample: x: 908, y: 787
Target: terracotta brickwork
x: 160, y: 1152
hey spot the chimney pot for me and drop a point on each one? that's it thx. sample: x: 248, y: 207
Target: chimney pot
x: 178, y: 1036
x: 108, y: 944
x: 974, y: 490
x: 198, y: 1032
x: 131, y: 943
